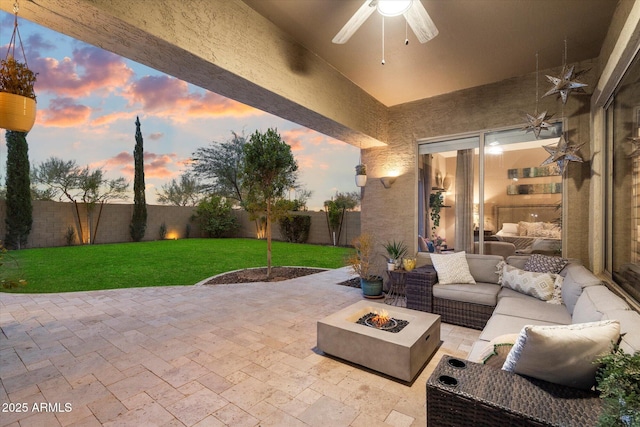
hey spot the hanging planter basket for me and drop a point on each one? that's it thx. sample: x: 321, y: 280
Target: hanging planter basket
x: 17, y: 112
x: 361, y: 175
x: 17, y: 98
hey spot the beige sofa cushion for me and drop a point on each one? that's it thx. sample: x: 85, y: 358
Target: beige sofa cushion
x: 534, y: 310
x: 500, y: 324
x: 629, y: 328
x: 594, y: 302
x: 577, y: 278
x: 480, y: 293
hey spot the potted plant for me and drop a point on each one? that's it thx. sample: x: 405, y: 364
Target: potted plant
x: 395, y: 250
x: 436, y: 201
x: 361, y: 175
x: 17, y: 97
x: 619, y: 385
x: 362, y: 264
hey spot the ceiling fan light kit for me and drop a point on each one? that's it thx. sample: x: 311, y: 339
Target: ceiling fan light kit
x: 393, y: 7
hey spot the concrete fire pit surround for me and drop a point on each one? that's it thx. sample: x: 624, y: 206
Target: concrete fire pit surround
x: 400, y: 355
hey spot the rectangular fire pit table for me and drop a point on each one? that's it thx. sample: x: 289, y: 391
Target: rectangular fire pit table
x: 400, y: 355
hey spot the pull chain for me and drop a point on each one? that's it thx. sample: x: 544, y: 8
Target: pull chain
x: 383, y: 40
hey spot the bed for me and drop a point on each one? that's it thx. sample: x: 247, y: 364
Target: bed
x: 531, y: 228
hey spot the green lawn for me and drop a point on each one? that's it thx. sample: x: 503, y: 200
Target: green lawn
x: 159, y: 263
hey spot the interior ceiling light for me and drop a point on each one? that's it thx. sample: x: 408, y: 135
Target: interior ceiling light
x: 393, y: 7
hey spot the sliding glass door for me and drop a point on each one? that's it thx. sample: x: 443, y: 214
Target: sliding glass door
x: 491, y: 187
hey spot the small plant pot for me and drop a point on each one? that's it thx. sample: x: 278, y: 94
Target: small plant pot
x: 17, y: 112
x: 391, y: 266
x: 361, y: 180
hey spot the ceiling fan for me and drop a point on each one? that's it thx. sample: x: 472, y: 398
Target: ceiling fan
x: 413, y: 11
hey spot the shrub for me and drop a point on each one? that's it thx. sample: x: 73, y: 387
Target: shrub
x: 163, y: 231
x: 215, y: 216
x: 70, y: 235
x: 295, y: 228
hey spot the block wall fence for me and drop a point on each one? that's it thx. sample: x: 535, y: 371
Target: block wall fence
x: 51, y: 220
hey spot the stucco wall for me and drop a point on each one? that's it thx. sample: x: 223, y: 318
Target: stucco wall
x: 392, y: 213
x: 52, y: 219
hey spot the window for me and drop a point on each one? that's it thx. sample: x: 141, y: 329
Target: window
x: 521, y: 200
x: 622, y: 193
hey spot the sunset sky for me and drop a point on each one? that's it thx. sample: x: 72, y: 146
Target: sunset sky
x: 88, y: 100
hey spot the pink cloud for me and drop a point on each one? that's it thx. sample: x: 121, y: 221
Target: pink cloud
x: 63, y: 112
x: 156, y: 136
x: 90, y: 70
x: 112, y: 117
x: 155, y: 165
x: 166, y: 96
x: 297, y: 137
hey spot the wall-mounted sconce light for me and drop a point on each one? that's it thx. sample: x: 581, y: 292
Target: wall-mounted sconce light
x: 387, y: 181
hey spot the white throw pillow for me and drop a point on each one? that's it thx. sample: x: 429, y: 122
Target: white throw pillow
x: 563, y: 354
x: 539, y: 285
x: 452, y: 268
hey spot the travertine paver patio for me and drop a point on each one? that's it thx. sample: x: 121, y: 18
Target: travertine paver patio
x: 237, y: 355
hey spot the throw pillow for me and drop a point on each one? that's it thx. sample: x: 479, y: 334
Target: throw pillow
x: 545, y: 263
x: 452, y: 268
x: 557, y: 291
x: 497, y: 350
x: 563, y: 354
x: 539, y: 285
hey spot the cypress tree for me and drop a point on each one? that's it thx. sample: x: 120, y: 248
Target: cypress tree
x: 139, y: 220
x: 19, y: 210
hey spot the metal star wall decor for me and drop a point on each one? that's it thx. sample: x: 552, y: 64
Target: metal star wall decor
x: 566, y: 83
x: 537, y: 122
x: 562, y: 153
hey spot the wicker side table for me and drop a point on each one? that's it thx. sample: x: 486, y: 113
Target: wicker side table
x: 418, y: 288
x: 462, y: 393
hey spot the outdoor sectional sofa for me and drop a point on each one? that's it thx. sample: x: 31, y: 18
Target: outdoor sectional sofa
x: 475, y: 393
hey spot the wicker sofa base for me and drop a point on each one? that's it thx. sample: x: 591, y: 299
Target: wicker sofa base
x: 460, y: 313
x: 462, y: 393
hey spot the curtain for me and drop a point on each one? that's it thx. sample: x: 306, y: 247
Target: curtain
x: 464, y: 201
x: 425, y: 179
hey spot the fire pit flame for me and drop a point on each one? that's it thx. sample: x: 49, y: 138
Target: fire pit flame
x: 380, y: 320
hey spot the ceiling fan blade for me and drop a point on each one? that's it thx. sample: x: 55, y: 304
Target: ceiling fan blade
x: 354, y: 23
x: 420, y: 22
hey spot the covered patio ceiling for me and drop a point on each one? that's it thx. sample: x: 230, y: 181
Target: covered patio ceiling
x: 277, y: 55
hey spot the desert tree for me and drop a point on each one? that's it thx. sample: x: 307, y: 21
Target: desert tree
x: 67, y: 181
x: 187, y: 191
x: 138, y: 224
x: 219, y: 167
x: 269, y: 171
x: 19, y: 216
x: 335, y: 209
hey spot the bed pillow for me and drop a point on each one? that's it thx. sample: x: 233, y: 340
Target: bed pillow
x: 563, y: 354
x: 452, y: 268
x: 510, y: 229
x: 545, y: 263
x: 539, y: 285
